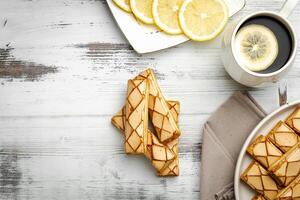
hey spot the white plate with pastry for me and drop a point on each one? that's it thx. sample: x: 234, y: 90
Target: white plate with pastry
x: 147, y: 38
x: 266, y: 128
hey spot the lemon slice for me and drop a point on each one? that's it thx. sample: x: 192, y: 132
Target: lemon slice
x: 165, y: 14
x: 257, y: 47
x: 123, y: 4
x: 142, y: 9
x: 203, y: 20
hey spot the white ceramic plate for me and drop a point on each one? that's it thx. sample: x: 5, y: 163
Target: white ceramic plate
x: 146, y: 38
x: 242, y: 191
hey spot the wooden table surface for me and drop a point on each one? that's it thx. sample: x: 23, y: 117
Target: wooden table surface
x: 64, y: 66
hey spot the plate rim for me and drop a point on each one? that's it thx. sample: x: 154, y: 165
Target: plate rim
x: 249, y: 139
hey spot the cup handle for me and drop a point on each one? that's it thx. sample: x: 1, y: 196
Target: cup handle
x: 282, y: 92
x: 288, y: 7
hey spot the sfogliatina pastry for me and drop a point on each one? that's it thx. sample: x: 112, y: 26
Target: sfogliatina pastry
x: 259, y: 180
x: 264, y: 151
x: 136, y: 115
x: 118, y: 119
x: 173, y: 168
x: 160, y: 155
x: 294, y: 120
x: 287, y: 168
x: 174, y: 107
x: 283, y: 136
x: 291, y: 192
x: 258, y: 197
x: 168, y: 167
x: 161, y: 117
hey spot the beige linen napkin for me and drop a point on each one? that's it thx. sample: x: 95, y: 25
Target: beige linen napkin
x: 223, y: 136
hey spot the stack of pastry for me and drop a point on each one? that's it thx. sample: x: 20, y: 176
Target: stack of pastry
x: 145, y: 101
x: 275, y: 171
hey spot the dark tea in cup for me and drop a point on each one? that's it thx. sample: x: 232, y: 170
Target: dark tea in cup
x: 263, y: 44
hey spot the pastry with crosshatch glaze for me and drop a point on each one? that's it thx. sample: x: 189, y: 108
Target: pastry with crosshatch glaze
x: 160, y: 155
x: 167, y: 167
x: 291, y: 192
x: 283, y: 136
x: 173, y: 168
x: 294, y: 120
x: 136, y: 115
x: 143, y: 97
x: 258, y: 179
x: 264, y: 151
x: 161, y: 117
x: 258, y: 197
x: 287, y: 168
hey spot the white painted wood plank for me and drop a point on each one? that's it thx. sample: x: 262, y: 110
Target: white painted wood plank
x: 76, y: 154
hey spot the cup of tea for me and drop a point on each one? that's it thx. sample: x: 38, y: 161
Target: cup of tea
x: 260, y: 48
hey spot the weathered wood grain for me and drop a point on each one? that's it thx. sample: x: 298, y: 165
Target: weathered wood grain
x: 12, y: 68
x: 63, y: 72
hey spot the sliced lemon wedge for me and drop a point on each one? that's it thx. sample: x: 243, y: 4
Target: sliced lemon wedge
x: 142, y: 9
x: 257, y: 47
x: 203, y: 20
x: 123, y: 4
x: 165, y: 14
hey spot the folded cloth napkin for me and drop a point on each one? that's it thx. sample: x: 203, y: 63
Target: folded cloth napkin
x: 223, y: 136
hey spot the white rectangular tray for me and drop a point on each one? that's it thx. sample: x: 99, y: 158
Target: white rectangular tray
x: 146, y: 38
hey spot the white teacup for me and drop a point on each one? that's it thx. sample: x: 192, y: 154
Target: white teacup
x: 244, y: 75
